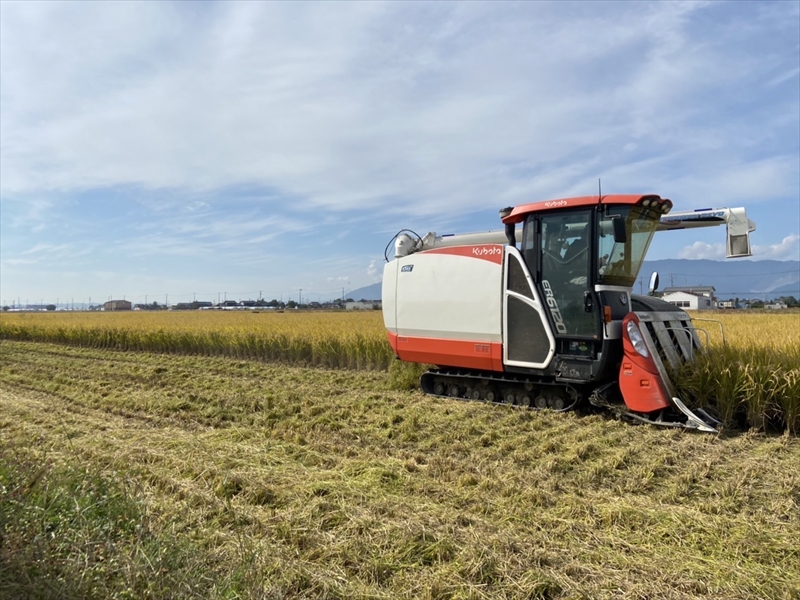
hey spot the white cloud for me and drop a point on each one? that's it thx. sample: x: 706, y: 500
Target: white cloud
x: 20, y: 261
x: 44, y: 248
x: 229, y: 125
x: 787, y: 249
x: 374, y: 270
x: 356, y: 108
x: 700, y: 250
x: 739, y: 183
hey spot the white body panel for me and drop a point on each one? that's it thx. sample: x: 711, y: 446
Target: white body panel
x: 389, y: 296
x: 424, y: 293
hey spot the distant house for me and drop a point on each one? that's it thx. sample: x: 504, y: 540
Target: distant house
x: 777, y: 305
x: 117, y: 305
x: 689, y: 301
x: 699, y: 290
x: 697, y: 297
x: 728, y: 304
x: 363, y: 305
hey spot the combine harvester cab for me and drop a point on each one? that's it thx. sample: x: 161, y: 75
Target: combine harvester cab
x: 550, y: 321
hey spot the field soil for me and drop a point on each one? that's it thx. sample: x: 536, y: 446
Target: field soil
x: 137, y: 475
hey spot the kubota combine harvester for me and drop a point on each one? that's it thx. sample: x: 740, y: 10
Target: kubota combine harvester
x: 543, y: 316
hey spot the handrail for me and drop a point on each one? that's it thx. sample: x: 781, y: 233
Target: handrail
x: 721, y: 328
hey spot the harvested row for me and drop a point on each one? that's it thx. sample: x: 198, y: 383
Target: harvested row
x: 751, y: 375
x: 135, y: 475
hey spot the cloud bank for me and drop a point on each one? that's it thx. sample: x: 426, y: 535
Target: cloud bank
x: 255, y: 133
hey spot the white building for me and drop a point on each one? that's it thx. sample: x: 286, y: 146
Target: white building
x: 777, y: 305
x: 690, y: 301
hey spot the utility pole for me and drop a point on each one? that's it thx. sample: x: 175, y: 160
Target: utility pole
x: 166, y: 300
x: 194, y: 296
x: 300, y: 303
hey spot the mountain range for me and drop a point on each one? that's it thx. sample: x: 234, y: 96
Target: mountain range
x: 763, y: 279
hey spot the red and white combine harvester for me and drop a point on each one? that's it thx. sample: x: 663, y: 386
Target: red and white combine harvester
x: 543, y: 315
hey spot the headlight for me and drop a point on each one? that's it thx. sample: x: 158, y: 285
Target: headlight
x: 636, y: 339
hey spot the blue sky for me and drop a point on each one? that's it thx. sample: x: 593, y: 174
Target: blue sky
x: 194, y: 149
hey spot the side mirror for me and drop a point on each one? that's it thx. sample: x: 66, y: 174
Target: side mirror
x: 619, y: 230
x: 653, y: 283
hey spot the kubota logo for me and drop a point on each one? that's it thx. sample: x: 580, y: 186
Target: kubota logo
x: 551, y: 302
x: 486, y: 250
x: 555, y: 203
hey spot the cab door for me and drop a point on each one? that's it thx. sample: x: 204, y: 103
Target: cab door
x: 528, y: 341
x: 566, y: 277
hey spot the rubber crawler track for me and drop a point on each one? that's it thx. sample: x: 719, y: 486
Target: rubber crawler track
x: 486, y: 386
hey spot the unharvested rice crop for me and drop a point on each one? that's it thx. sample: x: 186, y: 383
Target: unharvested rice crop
x: 750, y: 375
x: 351, y: 340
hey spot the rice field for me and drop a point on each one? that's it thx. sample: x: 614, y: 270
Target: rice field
x: 161, y: 476
x: 750, y: 375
